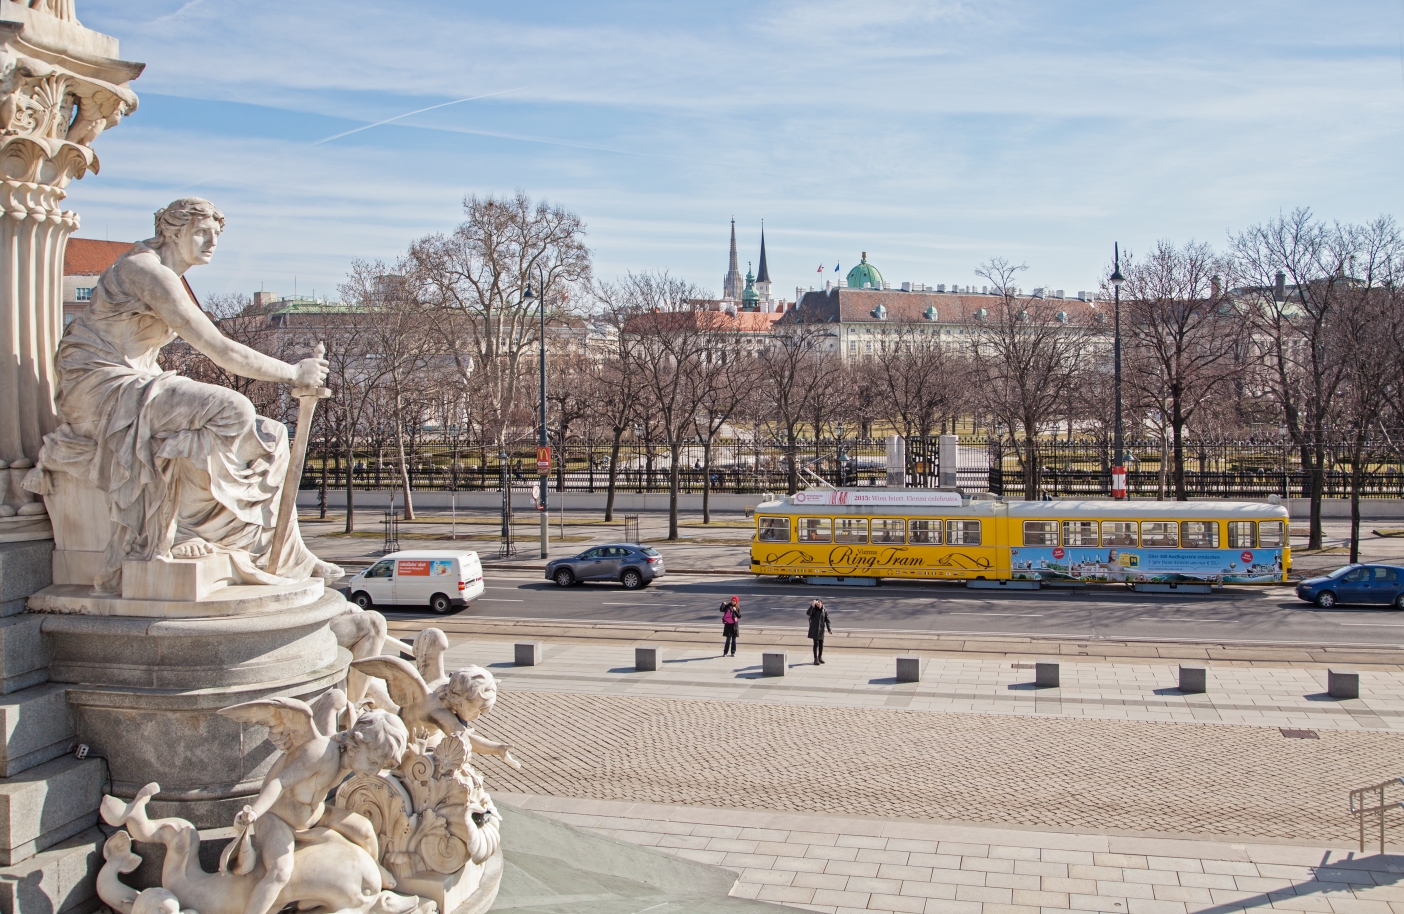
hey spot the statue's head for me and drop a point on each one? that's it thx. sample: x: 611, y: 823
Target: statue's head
x: 469, y: 692
x: 192, y: 226
x: 375, y: 742
x: 156, y: 901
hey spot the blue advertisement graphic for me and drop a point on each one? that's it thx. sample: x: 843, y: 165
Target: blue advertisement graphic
x: 1215, y: 566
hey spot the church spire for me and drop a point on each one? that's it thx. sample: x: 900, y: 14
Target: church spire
x: 763, y: 275
x: 733, y: 285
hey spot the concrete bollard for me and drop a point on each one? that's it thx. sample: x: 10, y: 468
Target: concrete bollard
x: 1046, y: 674
x: 646, y: 658
x: 908, y: 669
x: 528, y: 653
x: 1194, y: 679
x: 774, y: 663
x: 1343, y: 683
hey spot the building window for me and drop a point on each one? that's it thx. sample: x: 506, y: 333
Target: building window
x: 84, y: 294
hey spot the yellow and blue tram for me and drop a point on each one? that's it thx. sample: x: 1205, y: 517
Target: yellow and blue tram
x: 931, y: 535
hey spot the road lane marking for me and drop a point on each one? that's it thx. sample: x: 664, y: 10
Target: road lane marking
x: 1164, y: 619
x: 1375, y: 624
x: 1020, y: 615
x: 643, y: 604
x: 498, y: 600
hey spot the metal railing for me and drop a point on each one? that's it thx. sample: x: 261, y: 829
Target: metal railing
x: 1370, y: 801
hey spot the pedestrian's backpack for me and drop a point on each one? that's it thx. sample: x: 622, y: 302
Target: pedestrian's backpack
x: 728, y: 614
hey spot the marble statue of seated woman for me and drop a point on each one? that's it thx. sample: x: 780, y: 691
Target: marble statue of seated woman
x: 188, y: 468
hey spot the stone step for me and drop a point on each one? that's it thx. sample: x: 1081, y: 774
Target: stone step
x: 37, y: 725
x: 24, y: 654
x: 47, y: 804
x: 25, y: 568
x: 60, y: 880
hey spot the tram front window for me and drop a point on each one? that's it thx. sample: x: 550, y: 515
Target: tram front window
x: 1200, y: 534
x: 1079, y: 533
x: 850, y: 530
x: 1271, y: 534
x: 1118, y: 533
x: 889, y: 530
x: 926, y: 532
x: 1040, y: 533
x: 962, y: 533
x: 1161, y: 534
x: 1242, y: 534
x: 774, y: 530
x: 815, y: 530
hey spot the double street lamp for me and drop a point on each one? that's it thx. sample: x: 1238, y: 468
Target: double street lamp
x: 1119, y: 458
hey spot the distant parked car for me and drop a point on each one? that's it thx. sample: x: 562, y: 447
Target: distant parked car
x: 630, y: 564
x: 1377, y: 585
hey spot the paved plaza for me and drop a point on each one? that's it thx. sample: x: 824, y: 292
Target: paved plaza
x: 835, y: 788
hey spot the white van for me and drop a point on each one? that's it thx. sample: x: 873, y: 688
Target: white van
x: 443, y: 580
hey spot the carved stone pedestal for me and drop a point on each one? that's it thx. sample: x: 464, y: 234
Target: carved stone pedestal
x: 144, y: 690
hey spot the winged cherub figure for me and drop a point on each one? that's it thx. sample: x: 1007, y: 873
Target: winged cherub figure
x: 446, y: 705
x: 314, y: 760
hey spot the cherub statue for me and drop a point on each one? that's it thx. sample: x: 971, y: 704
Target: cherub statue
x: 314, y: 760
x: 446, y: 705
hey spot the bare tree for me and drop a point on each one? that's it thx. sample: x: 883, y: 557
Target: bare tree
x: 790, y: 369
x: 1025, y: 356
x: 921, y: 381
x: 615, y: 381
x: 670, y: 336
x: 724, y: 377
x: 1299, y: 365
x: 1184, y: 335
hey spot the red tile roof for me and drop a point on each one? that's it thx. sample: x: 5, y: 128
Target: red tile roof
x: 89, y: 257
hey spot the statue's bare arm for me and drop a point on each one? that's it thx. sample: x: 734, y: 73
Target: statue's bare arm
x: 161, y: 289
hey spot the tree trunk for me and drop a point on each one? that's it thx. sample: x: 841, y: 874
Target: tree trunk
x: 323, y: 489
x: 350, y: 484
x: 792, y: 450
x: 1318, y: 484
x: 707, y: 481
x: 1177, y: 424
x: 613, y: 474
x: 1031, y: 487
x: 674, y: 476
x: 1357, y: 479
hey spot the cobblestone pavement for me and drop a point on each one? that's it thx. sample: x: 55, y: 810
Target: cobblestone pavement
x: 1029, y: 771
x: 842, y: 865
x: 1257, y: 694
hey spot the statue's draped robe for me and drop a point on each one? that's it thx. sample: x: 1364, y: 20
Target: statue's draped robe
x: 176, y: 458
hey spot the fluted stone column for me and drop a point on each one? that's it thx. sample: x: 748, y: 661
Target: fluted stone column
x: 61, y: 85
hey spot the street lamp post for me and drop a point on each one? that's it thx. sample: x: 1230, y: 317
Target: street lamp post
x: 542, y: 465
x: 1119, y: 457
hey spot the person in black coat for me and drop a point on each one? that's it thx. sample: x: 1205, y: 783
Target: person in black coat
x: 731, y: 624
x: 818, y: 625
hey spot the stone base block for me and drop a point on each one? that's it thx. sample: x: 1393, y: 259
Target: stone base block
x: 909, y: 669
x: 450, y: 891
x: 646, y: 658
x: 528, y: 653
x: 48, y: 804
x: 24, y: 569
x: 37, y: 726
x: 1193, y: 679
x: 176, y: 579
x: 774, y: 663
x: 1046, y: 674
x: 1343, y: 683
x: 230, y: 600
x: 24, y: 654
x: 73, y: 566
x: 60, y: 880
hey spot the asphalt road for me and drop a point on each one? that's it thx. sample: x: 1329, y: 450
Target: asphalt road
x: 1248, y: 614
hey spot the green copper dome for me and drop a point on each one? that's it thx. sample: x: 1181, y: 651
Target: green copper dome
x: 864, y: 276
x: 749, y: 294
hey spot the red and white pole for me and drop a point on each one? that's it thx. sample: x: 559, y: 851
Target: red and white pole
x: 1118, y: 482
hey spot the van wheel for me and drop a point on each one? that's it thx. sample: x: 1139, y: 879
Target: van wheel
x: 440, y: 603
x: 362, y: 599
x: 1325, y: 599
x: 564, y: 578
x: 631, y: 580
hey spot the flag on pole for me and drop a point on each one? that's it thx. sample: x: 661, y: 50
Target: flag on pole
x: 821, y: 268
x: 836, y: 268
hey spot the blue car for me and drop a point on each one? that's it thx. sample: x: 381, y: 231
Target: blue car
x: 630, y: 564
x: 1374, y: 585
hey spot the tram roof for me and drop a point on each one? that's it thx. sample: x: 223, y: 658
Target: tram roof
x: 1062, y: 509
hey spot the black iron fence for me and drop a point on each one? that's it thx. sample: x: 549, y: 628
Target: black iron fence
x: 1065, y: 468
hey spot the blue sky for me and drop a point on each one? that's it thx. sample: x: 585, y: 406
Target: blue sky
x: 931, y: 135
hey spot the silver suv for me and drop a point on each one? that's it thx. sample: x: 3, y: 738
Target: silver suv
x: 630, y: 564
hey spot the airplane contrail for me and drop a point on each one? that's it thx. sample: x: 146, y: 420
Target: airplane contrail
x: 397, y: 117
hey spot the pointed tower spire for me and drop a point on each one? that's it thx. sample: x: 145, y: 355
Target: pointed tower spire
x: 733, y: 285
x: 763, y: 275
